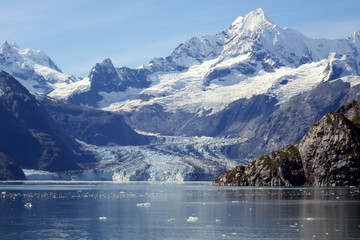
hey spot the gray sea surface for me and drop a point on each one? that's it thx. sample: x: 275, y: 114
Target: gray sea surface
x: 191, y: 210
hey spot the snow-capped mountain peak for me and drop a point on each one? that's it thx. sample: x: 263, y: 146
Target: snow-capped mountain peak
x: 33, y: 68
x: 9, y: 51
x: 103, y: 76
x: 28, y: 56
x: 251, y: 22
x: 254, y: 56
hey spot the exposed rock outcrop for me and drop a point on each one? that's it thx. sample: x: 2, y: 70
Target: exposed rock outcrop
x: 328, y: 155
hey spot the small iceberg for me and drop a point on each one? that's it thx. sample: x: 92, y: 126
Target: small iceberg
x: 192, y: 219
x: 28, y: 205
x: 102, y: 218
x: 171, y: 220
x: 143, y: 204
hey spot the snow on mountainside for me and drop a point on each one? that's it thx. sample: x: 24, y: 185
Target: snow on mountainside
x: 33, y: 68
x: 204, y: 75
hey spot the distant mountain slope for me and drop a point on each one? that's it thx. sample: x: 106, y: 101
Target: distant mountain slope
x: 91, y: 125
x: 28, y: 135
x: 328, y: 155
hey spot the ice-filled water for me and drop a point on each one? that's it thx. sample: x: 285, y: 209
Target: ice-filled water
x: 105, y: 210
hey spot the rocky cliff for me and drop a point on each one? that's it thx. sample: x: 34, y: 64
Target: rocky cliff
x: 9, y: 170
x: 328, y: 155
x: 28, y: 135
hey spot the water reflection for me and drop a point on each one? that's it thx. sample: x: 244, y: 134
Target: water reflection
x: 72, y: 211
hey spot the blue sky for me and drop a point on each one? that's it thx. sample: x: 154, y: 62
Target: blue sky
x: 76, y: 34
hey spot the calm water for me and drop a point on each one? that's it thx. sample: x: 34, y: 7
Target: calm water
x: 72, y: 211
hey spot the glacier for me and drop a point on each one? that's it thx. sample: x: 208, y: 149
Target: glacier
x: 170, y: 159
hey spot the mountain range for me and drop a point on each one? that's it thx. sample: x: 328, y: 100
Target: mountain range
x: 217, y: 101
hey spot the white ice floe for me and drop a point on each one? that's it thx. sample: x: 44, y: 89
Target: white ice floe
x: 192, y: 219
x: 143, y: 204
x: 28, y: 205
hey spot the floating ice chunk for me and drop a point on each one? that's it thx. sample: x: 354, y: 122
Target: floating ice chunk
x: 3, y: 193
x: 217, y: 220
x: 171, y: 220
x: 310, y: 219
x: 102, y: 218
x: 28, y: 205
x: 143, y: 204
x: 192, y: 219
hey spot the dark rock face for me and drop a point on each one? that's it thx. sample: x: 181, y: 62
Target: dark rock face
x: 330, y: 152
x: 10, y: 170
x: 300, y: 112
x: 154, y: 118
x: 240, y: 118
x: 104, y: 77
x: 92, y: 126
x: 328, y: 155
x: 351, y: 111
x: 136, y: 78
x: 28, y: 134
